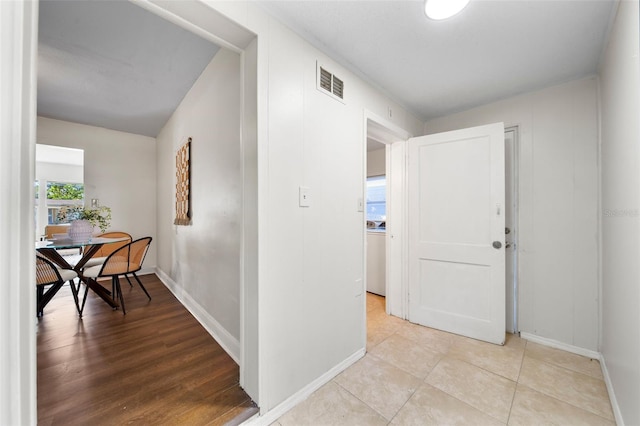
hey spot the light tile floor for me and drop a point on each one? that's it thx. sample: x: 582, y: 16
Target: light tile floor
x: 413, y: 375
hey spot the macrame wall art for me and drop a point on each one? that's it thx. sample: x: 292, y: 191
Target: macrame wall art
x: 183, y: 182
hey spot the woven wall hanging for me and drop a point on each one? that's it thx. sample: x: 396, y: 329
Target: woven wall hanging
x: 183, y: 182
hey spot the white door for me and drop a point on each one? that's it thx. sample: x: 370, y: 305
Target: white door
x: 456, y: 232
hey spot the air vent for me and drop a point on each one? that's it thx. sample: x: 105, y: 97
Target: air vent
x: 338, y: 87
x: 325, y: 79
x: 330, y: 84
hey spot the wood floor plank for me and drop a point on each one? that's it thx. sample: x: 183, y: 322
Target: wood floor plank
x: 154, y: 365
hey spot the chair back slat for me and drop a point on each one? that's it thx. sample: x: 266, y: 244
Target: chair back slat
x: 51, y: 230
x: 126, y: 259
x: 46, y: 272
x: 107, y: 249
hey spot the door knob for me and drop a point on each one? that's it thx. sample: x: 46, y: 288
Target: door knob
x: 497, y: 244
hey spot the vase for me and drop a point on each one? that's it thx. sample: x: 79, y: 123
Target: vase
x: 80, y: 231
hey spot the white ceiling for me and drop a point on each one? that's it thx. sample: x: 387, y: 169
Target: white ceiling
x: 493, y: 50
x: 113, y: 64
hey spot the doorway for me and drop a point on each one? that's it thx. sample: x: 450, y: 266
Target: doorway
x: 376, y: 216
x: 18, y: 179
x: 381, y: 133
x: 397, y: 284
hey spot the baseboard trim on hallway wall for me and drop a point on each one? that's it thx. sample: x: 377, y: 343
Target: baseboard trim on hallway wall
x: 280, y: 409
x: 560, y: 345
x: 230, y: 344
x: 147, y: 270
x: 612, y: 394
x: 584, y: 352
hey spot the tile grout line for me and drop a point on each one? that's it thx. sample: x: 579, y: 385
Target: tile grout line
x: 558, y: 399
x: 568, y: 403
x: 422, y: 381
x: 356, y: 397
x: 524, y: 350
x: 464, y: 402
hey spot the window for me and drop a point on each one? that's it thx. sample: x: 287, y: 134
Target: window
x: 377, y: 201
x: 59, y: 176
x: 62, y: 194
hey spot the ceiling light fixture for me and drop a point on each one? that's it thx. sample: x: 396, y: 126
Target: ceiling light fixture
x: 443, y: 9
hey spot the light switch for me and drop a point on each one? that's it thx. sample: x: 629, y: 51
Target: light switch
x: 304, y: 197
x: 360, y: 204
x: 358, y: 287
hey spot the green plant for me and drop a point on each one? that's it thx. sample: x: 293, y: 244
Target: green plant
x: 65, y: 191
x: 99, y: 216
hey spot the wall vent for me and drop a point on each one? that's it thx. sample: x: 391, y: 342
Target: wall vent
x: 329, y: 84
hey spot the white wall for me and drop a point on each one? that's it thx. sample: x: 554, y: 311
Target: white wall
x: 56, y: 172
x: 620, y: 91
x: 202, y: 260
x: 312, y: 293
x: 558, y: 187
x: 119, y: 170
x: 376, y: 162
x: 311, y: 304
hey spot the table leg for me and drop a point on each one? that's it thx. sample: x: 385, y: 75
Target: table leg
x: 104, y: 294
x: 45, y: 297
x: 99, y: 290
x: 55, y: 257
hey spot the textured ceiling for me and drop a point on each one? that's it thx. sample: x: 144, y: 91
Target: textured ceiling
x: 494, y: 49
x: 113, y: 64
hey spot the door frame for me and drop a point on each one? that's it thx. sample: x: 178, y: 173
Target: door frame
x: 515, y: 186
x: 21, y: 52
x: 396, y: 246
x: 18, y: 50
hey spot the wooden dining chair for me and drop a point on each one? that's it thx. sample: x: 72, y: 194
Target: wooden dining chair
x: 103, y: 252
x: 127, y: 259
x: 53, y: 277
x: 101, y: 255
x: 53, y: 231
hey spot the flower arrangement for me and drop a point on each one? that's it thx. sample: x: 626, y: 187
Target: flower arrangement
x: 99, y: 216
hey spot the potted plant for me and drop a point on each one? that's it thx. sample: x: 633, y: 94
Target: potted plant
x: 83, y: 220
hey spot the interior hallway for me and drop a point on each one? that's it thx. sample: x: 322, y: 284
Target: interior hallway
x: 414, y: 375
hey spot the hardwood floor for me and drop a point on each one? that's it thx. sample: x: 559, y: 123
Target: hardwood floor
x: 154, y: 365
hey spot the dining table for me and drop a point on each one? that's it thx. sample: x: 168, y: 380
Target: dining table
x: 50, y: 250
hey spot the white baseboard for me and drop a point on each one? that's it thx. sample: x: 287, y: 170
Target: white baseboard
x: 229, y: 343
x: 560, y: 345
x: 279, y: 410
x: 590, y: 354
x: 612, y: 395
x: 146, y: 270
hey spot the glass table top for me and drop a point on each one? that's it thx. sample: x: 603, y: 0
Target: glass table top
x: 67, y: 242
